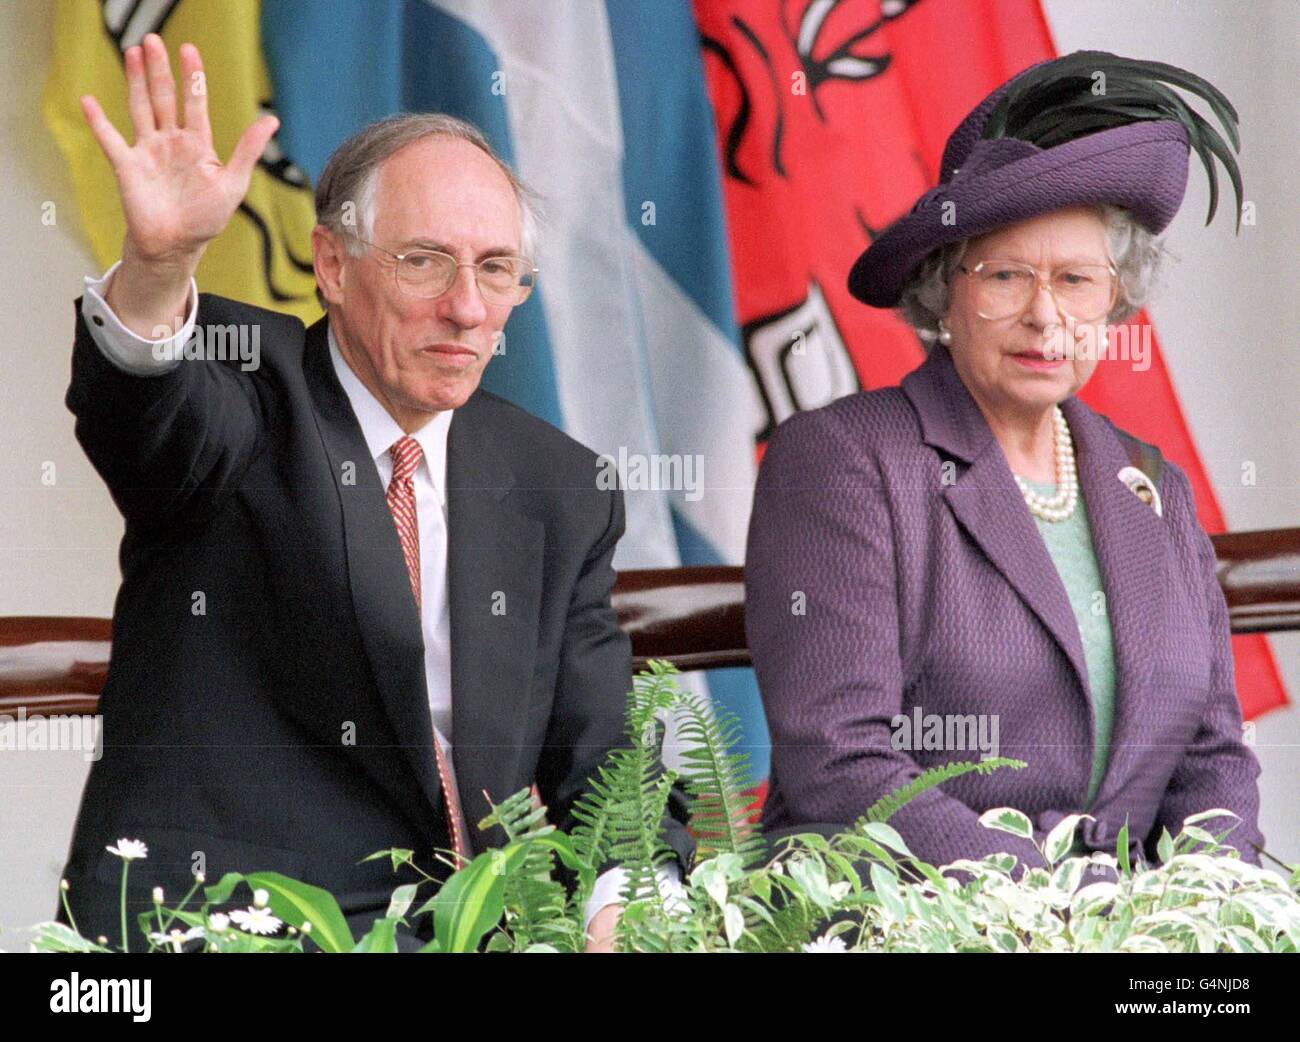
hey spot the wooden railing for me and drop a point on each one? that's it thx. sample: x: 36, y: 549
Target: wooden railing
x: 694, y: 617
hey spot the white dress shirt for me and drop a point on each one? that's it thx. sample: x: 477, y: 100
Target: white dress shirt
x: 142, y: 357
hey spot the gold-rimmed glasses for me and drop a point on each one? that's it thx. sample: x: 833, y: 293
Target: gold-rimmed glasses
x: 1003, y: 288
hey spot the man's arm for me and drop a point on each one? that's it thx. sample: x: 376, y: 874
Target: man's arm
x: 166, y: 436
x: 156, y: 430
x: 588, y: 714
x: 130, y: 352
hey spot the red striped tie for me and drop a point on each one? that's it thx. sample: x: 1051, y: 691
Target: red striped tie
x: 406, y: 456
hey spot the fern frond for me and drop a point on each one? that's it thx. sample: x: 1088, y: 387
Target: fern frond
x: 620, y: 817
x: 517, y: 815
x: 889, y: 804
x: 535, y: 901
x: 714, y: 780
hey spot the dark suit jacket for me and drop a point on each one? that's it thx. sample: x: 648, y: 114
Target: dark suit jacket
x: 927, y: 585
x: 266, y: 704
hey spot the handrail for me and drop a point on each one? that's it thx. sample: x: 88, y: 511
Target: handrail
x: 694, y: 617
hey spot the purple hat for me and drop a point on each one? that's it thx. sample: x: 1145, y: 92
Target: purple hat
x: 1087, y: 128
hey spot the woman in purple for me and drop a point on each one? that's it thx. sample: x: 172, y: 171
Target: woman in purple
x: 976, y: 563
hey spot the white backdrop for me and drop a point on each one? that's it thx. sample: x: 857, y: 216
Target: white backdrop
x: 1226, y: 319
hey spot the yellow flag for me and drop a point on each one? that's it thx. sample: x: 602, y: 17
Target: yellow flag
x: 264, y: 255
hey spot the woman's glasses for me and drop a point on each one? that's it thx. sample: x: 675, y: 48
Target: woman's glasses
x: 1085, y: 292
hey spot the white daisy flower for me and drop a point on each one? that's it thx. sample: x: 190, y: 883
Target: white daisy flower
x: 129, y: 849
x: 175, y: 938
x: 218, y: 921
x: 826, y: 944
x: 256, y: 920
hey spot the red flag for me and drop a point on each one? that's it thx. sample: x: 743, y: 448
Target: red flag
x: 832, y: 116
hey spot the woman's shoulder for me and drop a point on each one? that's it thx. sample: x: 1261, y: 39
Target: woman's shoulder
x: 861, y: 440
x: 866, y: 420
x: 1170, y: 479
x: 1177, y: 498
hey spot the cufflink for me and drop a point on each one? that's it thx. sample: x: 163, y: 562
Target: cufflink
x: 1143, y: 487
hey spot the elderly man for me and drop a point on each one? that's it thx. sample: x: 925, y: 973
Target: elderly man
x: 359, y: 593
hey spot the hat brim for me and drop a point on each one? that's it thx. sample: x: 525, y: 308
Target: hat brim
x: 1139, y: 166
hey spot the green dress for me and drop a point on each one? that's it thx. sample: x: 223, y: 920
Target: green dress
x: 1070, y: 544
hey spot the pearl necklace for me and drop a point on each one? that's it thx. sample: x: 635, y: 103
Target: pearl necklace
x: 1060, y: 506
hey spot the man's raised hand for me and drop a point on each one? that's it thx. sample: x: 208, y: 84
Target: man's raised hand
x: 176, y: 194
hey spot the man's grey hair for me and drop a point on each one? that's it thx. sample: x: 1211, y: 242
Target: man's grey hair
x: 1137, y: 254
x: 345, y: 194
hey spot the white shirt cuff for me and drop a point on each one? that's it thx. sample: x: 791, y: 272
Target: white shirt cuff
x: 125, y: 349
x: 608, y: 889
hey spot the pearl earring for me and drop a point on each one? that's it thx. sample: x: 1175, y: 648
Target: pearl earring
x: 1103, y: 340
x: 945, y: 334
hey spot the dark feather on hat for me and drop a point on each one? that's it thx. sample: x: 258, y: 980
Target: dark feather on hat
x: 1059, y: 102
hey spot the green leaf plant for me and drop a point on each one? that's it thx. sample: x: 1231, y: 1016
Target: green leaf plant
x: 859, y: 890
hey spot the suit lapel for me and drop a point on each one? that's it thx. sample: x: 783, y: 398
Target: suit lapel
x: 494, y: 573
x: 1132, y: 547
x: 385, y: 610
x: 987, y: 502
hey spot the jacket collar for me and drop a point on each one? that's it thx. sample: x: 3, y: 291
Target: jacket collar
x: 1131, y: 542
x: 381, y: 431
x: 950, y: 419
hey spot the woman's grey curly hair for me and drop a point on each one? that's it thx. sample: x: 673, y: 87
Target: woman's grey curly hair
x: 1137, y: 254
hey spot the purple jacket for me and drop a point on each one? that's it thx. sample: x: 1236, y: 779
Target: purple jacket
x: 879, y: 580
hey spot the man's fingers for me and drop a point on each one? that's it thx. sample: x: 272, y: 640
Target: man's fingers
x: 601, y: 930
x: 105, y: 133
x: 195, y: 88
x: 249, y: 147
x: 137, y: 93
x: 162, y: 88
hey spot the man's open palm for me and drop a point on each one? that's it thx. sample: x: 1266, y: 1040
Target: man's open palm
x: 176, y: 194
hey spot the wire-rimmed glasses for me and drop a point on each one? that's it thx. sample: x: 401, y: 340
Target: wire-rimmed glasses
x: 430, y: 273
x: 1003, y: 288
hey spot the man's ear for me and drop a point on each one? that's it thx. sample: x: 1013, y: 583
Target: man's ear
x: 327, y: 257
